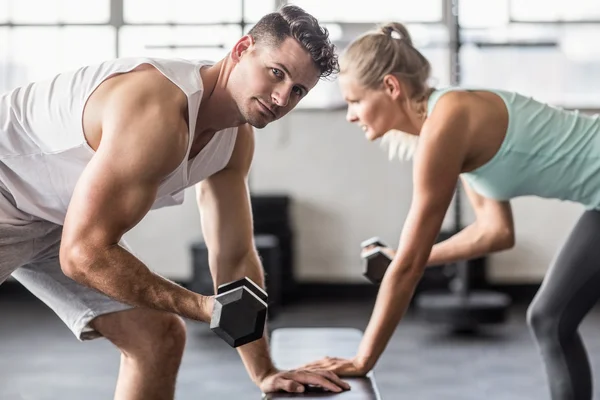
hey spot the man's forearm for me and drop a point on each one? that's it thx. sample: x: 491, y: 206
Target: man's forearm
x: 119, y: 274
x: 255, y: 355
x: 469, y: 243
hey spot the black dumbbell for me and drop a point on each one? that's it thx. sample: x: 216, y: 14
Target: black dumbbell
x: 376, y: 261
x: 240, y: 312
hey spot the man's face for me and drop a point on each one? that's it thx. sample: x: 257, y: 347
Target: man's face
x: 268, y: 81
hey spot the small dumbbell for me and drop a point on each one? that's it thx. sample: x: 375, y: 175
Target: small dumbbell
x: 240, y: 312
x: 376, y: 261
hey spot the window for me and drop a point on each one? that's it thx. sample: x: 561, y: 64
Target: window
x: 55, y: 11
x: 483, y: 14
x: 50, y: 50
x: 181, y: 11
x: 43, y: 37
x: 187, y: 28
x: 209, y: 42
x: 490, y: 13
x: 8, y: 69
x: 554, y: 10
x: 256, y: 9
x: 374, y: 11
x: 194, y: 11
x: 39, y: 38
x: 3, y: 11
x: 541, y: 48
x: 563, y: 68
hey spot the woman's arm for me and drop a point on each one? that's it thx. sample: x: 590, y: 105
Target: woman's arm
x: 439, y: 160
x: 493, y: 230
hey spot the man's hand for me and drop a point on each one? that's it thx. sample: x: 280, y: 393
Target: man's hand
x: 299, y: 381
x: 339, y: 366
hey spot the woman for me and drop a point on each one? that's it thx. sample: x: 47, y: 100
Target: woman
x: 502, y: 145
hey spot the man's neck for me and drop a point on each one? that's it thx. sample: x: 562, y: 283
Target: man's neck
x: 218, y: 110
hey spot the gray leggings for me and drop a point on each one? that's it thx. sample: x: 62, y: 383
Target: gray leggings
x: 569, y: 291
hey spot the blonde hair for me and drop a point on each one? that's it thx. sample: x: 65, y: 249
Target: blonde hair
x: 389, y: 50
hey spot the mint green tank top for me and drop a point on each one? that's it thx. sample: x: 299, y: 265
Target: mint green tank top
x: 547, y: 152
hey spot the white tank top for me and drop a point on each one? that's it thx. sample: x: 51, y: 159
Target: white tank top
x: 43, y: 150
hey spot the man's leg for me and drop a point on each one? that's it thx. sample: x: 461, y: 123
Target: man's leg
x: 151, y: 344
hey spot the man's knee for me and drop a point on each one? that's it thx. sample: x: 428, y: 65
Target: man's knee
x: 143, y: 332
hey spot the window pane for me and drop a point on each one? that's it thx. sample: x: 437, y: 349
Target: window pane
x: 178, y: 41
x: 256, y: 9
x: 92, y: 11
x: 552, y: 10
x: 34, y: 11
x: 181, y: 11
x: 138, y: 11
x: 374, y: 10
x: 82, y: 45
x: 7, y: 66
x: 477, y: 13
x: 4, y: 11
x: 567, y: 75
x: 54, y: 11
x: 60, y: 49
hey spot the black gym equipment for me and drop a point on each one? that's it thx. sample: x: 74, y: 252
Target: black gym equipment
x: 271, y: 215
x: 240, y: 312
x: 375, y: 261
x: 461, y: 308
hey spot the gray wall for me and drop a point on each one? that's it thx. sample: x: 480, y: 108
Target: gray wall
x: 344, y: 190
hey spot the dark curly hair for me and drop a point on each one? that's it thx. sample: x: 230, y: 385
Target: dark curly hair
x: 293, y: 21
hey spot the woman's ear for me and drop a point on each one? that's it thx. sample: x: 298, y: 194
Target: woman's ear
x: 392, y: 86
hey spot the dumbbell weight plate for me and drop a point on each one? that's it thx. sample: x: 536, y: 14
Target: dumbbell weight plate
x: 239, y: 314
x: 376, y: 262
x: 246, y: 282
x: 374, y: 241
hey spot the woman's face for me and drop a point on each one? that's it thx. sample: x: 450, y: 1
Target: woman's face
x: 374, y: 110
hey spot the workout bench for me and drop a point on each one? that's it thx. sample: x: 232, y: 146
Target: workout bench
x: 293, y: 347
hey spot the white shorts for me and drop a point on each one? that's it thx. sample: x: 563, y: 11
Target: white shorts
x: 29, y: 250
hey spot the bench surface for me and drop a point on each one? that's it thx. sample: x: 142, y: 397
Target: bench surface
x: 293, y: 347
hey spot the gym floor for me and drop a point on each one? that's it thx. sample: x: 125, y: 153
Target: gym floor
x: 41, y: 360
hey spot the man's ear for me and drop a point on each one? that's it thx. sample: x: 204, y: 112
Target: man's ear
x: 244, y: 44
x: 392, y: 86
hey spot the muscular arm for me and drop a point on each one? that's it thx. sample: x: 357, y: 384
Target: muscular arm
x: 493, y: 230
x: 224, y: 204
x: 144, y: 138
x: 438, y: 163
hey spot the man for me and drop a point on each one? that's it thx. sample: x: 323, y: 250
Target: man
x: 84, y: 157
